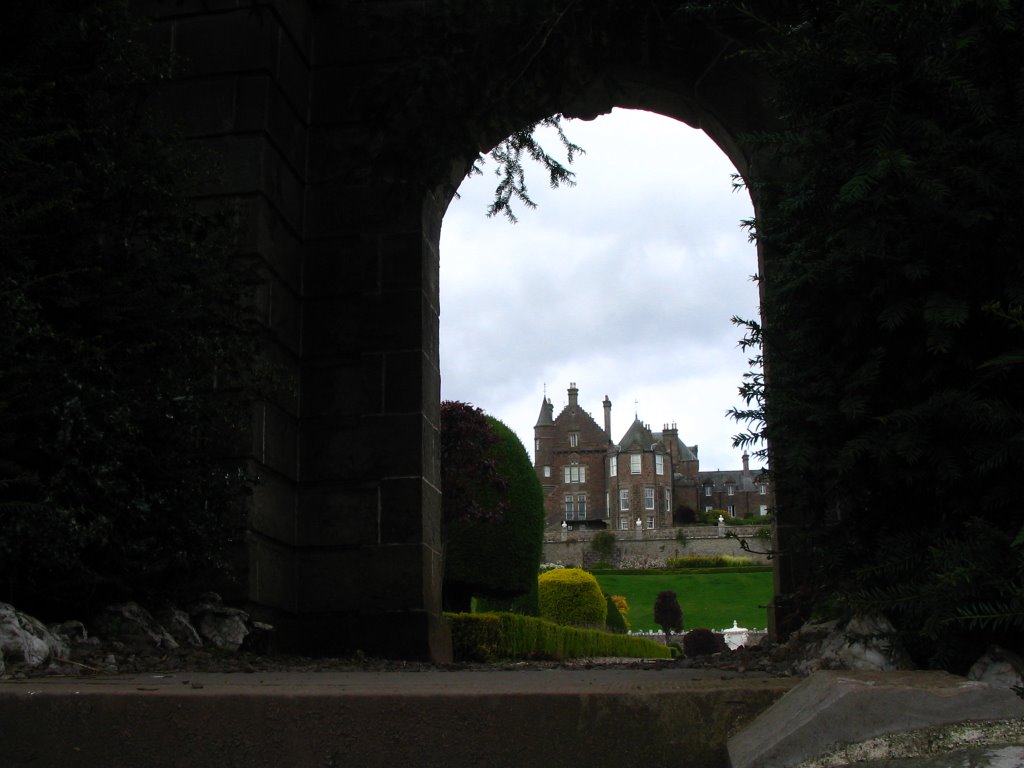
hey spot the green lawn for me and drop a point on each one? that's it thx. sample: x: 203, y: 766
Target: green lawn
x: 712, y: 600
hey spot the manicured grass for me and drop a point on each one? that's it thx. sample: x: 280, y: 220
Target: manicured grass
x: 712, y: 600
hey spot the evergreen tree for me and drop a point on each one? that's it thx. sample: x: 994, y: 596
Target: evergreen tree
x: 123, y: 315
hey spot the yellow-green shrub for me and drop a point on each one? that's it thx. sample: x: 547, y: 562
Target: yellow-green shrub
x: 494, y: 636
x: 571, y: 596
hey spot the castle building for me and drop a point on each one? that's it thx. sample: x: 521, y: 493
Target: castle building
x: 649, y: 480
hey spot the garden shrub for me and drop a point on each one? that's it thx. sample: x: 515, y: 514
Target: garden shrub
x: 495, y: 552
x: 603, y: 543
x: 703, y: 642
x: 495, y: 636
x: 571, y: 596
x: 707, y: 561
x: 615, y: 622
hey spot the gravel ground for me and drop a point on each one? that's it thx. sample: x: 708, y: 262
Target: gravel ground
x: 109, y: 658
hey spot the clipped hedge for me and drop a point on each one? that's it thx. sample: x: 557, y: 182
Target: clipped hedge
x: 707, y: 561
x: 615, y: 621
x: 496, y: 636
x: 571, y: 596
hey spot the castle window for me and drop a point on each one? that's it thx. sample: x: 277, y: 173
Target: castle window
x: 707, y: 507
x: 574, y: 439
x: 575, y: 473
x: 707, y: 491
x: 568, y: 507
x: 624, y: 499
x: 623, y: 523
x: 650, y: 522
x: 668, y: 499
x: 547, y: 470
x: 648, y: 498
x: 581, y: 506
x: 659, y: 464
x: 536, y: 445
x: 764, y: 510
x: 732, y: 510
x: 731, y: 490
x: 634, y: 463
x: 613, y: 466
x: 763, y: 489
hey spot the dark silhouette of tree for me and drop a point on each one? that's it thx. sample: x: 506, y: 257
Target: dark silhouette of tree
x: 667, y: 613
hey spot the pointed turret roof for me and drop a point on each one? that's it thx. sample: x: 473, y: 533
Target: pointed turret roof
x: 637, y: 437
x: 547, y: 414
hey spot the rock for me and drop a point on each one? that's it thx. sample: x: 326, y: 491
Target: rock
x: 25, y: 640
x: 260, y: 638
x: 863, y: 643
x: 133, y: 625
x: 999, y: 668
x: 224, y: 627
x: 843, y: 717
x: 179, y: 625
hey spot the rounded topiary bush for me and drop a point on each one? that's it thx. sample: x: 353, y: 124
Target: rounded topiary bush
x: 703, y: 642
x: 571, y: 596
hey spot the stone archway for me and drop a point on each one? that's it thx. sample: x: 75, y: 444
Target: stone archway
x: 320, y: 110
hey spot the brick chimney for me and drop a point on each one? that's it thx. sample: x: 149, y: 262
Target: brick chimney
x: 608, y: 418
x: 746, y: 463
x: 573, y: 395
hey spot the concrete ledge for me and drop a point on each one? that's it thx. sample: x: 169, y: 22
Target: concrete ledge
x: 546, y: 718
x: 831, y: 710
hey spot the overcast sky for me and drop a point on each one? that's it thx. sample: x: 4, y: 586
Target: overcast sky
x: 624, y: 284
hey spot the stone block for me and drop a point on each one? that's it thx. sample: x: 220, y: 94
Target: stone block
x: 370, y: 448
x: 264, y: 231
x: 273, y: 510
x: 409, y: 383
x: 284, y: 316
x: 339, y: 516
x: 275, y: 439
x: 340, y: 266
x: 833, y: 708
x: 338, y: 208
x: 339, y: 153
x: 293, y: 75
x: 272, y: 573
x: 198, y: 107
x: 410, y: 512
x: 370, y: 578
x: 344, y: 388
x: 403, y: 266
x: 364, y: 324
x: 243, y: 40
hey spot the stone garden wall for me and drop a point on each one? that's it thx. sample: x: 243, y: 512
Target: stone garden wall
x: 575, y: 549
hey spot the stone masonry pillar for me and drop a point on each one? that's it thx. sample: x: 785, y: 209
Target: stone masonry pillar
x: 342, y: 550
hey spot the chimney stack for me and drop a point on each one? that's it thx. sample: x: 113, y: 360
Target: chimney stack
x: 573, y: 395
x: 608, y: 418
x: 746, y: 463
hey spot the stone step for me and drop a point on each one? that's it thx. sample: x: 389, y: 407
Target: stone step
x: 449, y: 719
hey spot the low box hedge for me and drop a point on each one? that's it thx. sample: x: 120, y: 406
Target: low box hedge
x: 497, y: 636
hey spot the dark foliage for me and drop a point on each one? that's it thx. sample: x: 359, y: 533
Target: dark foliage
x: 615, y: 622
x: 603, y: 543
x: 123, y: 318
x: 703, y: 642
x: 667, y: 613
x: 893, y: 290
x: 493, y: 523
